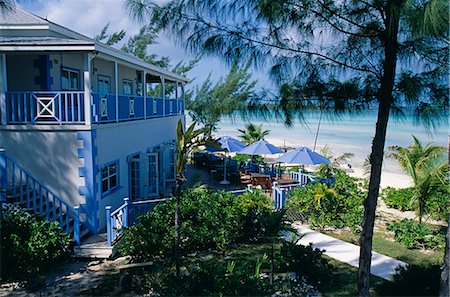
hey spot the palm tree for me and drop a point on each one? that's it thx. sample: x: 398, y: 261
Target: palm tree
x: 321, y: 191
x: 335, y: 162
x: 425, y: 165
x: 252, y: 133
x: 186, y: 143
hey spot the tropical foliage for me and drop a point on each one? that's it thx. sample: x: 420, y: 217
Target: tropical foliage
x: 327, y: 170
x: 208, y: 220
x: 415, y: 235
x: 211, y: 102
x: 253, y: 133
x: 412, y: 280
x: 29, y: 244
x: 335, y: 55
x: 337, y: 206
x: 427, y: 167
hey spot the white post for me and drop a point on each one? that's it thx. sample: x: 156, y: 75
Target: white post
x: 225, y: 181
x: 87, y: 89
x: 144, y: 91
x: 3, y: 88
x: 116, y: 85
x: 163, y: 95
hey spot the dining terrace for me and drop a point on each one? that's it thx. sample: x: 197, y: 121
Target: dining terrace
x: 277, y: 182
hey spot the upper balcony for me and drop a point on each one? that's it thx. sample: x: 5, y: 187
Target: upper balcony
x: 68, y: 108
x: 65, y: 88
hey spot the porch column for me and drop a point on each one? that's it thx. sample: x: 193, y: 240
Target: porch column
x: 163, y: 94
x: 144, y: 91
x: 3, y: 89
x: 87, y: 89
x: 116, y: 86
x: 183, y: 98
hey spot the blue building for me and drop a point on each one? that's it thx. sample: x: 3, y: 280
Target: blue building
x: 83, y: 125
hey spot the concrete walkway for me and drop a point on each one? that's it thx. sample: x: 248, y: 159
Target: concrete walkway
x: 382, y: 266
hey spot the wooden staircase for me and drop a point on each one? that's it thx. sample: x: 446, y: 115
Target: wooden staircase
x: 18, y: 187
x: 57, y: 212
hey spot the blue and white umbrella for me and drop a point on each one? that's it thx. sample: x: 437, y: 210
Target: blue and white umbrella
x: 228, y: 144
x: 304, y: 156
x: 261, y: 147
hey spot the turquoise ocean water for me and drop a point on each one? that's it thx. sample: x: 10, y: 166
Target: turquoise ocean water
x: 349, y: 133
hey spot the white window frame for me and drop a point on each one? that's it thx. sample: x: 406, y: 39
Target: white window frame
x: 107, y: 167
x: 70, y: 73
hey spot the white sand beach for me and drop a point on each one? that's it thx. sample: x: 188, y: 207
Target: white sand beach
x: 388, y: 179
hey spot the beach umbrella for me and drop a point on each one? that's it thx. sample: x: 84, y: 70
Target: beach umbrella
x: 261, y: 147
x: 304, y: 156
x: 227, y: 144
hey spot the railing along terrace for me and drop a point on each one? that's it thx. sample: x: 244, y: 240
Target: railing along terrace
x: 126, y: 215
x: 111, y: 108
x: 45, y: 107
x: 67, y: 108
x: 31, y: 194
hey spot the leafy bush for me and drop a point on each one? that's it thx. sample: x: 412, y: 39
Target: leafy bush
x: 397, y: 198
x: 29, y: 244
x: 253, y: 207
x: 413, y: 281
x: 415, y: 235
x: 207, y: 220
x: 307, y: 262
x: 339, y: 206
x: 209, y: 279
x: 437, y: 205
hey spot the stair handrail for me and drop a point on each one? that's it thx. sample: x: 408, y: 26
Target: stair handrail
x: 119, y: 218
x: 4, y: 158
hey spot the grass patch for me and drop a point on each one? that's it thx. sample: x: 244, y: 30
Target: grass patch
x: 383, y: 243
x: 343, y: 281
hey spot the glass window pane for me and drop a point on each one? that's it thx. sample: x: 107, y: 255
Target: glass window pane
x: 113, y: 182
x: 105, y: 186
x: 74, y: 81
x: 64, y: 80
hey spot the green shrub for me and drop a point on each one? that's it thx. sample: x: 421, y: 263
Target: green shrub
x: 339, y: 206
x: 207, y: 220
x: 307, y: 262
x: 415, y: 235
x: 253, y: 206
x: 398, y: 198
x: 209, y: 279
x: 437, y: 204
x: 29, y: 244
x: 412, y: 281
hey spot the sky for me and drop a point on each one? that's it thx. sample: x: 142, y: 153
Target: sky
x: 88, y: 17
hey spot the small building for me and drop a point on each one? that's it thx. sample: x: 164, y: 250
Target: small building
x: 89, y: 122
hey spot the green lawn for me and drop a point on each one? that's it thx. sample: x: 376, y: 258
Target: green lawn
x: 383, y: 243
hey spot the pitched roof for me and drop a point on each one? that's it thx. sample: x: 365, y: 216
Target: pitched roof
x: 18, y: 16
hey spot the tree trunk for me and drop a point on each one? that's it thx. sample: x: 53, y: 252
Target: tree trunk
x: 177, y: 193
x: 377, y: 154
x: 444, y: 290
x: 271, y: 263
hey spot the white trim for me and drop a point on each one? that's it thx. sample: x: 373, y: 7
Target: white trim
x: 144, y: 91
x: 116, y: 84
x: 87, y: 59
x: 44, y: 127
x: 24, y: 27
x: 37, y: 48
x: 163, y: 96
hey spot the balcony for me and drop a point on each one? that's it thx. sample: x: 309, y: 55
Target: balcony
x: 68, y: 108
